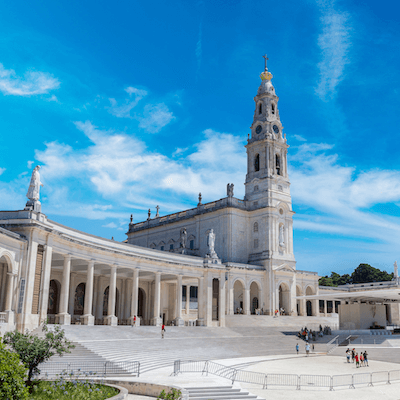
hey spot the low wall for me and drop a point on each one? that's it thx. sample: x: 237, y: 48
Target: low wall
x: 146, y: 388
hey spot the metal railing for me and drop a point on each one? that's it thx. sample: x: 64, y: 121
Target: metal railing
x: 90, y: 368
x: 290, y: 380
x: 332, y: 344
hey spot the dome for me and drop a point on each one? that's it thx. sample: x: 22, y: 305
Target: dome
x: 266, y: 87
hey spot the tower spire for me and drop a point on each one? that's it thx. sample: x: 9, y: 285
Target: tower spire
x: 265, y: 75
x: 265, y: 62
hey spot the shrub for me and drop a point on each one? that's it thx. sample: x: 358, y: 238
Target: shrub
x: 12, y: 376
x: 174, y: 394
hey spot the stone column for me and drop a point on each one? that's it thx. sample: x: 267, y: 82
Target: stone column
x: 135, y: 296
x: 156, y: 320
x: 187, y: 300
x: 88, y: 318
x: 111, y: 319
x: 44, y: 301
x: 222, y: 298
x: 325, y: 308
x: 201, y: 303
x: 246, y: 300
x: 63, y: 317
x: 178, y: 320
x: 71, y: 297
x: 3, y: 286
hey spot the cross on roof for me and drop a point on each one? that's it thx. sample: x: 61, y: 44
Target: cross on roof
x: 265, y: 60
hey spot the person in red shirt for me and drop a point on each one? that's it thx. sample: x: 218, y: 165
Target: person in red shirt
x: 357, y: 360
x: 162, y: 331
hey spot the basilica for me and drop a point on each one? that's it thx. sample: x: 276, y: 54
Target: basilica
x: 193, y: 267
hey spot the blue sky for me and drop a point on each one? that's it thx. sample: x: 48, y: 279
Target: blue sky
x: 127, y: 105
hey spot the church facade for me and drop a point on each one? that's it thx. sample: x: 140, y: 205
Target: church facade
x: 230, y: 256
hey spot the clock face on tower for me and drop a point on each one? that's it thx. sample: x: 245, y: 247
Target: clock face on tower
x: 258, y: 129
x: 276, y: 129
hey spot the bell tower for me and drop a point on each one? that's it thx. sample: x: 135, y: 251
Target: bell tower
x: 267, y: 182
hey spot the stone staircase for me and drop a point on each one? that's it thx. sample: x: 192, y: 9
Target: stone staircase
x: 218, y: 393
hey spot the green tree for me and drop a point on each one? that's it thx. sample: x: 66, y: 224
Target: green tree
x: 12, y: 376
x: 365, y: 273
x: 33, y: 350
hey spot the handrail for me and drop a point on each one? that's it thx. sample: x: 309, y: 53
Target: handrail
x: 296, y: 381
x: 329, y: 347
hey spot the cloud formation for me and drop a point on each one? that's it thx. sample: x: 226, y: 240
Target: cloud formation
x: 155, y: 117
x: 124, y: 110
x: 334, y: 43
x: 32, y: 83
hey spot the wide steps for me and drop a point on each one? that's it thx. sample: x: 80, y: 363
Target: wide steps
x: 218, y: 393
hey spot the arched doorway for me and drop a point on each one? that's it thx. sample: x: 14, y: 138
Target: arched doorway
x: 4, y: 279
x: 298, y: 302
x: 284, y: 298
x: 54, y: 293
x: 254, y: 296
x: 79, y: 300
x: 238, y: 292
x: 309, y: 305
x: 105, y: 301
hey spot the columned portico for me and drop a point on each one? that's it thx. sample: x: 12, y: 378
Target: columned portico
x: 246, y: 302
x: 178, y: 320
x: 156, y: 320
x: 135, y: 296
x: 111, y: 318
x: 63, y: 317
x: 222, y: 299
x: 201, y: 303
x: 87, y: 317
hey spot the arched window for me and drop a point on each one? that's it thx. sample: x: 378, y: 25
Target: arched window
x: 257, y: 163
x: 255, y: 227
x: 273, y: 108
x: 278, y: 164
x: 260, y: 108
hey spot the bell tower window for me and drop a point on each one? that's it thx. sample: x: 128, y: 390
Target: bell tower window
x: 260, y: 109
x: 278, y: 164
x: 273, y: 108
x: 257, y: 163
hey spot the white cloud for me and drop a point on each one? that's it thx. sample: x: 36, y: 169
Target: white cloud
x: 335, y: 43
x: 299, y: 138
x: 155, y: 117
x: 124, y: 110
x: 2, y: 170
x: 110, y: 225
x: 32, y: 83
x: 341, y: 197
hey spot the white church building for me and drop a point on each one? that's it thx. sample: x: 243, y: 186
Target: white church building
x: 195, y: 266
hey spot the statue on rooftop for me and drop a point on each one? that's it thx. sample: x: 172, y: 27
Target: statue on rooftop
x: 183, y: 238
x: 229, y: 189
x: 34, y: 185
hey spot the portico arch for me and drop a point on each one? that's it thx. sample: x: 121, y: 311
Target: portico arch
x: 6, y: 281
x: 54, y: 297
x: 79, y: 300
x: 238, y: 296
x: 284, y: 297
x: 105, y: 301
x: 309, y: 303
x: 255, y: 301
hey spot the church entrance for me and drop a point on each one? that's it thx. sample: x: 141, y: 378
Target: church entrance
x: 238, y: 291
x: 254, y: 296
x: 284, y: 299
x: 79, y: 300
x: 141, y: 303
x: 52, y: 307
x: 309, y: 303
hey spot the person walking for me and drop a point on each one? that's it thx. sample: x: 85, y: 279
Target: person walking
x: 357, y: 360
x: 361, y: 359
x: 366, y: 358
x: 162, y: 331
x: 348, y: 354
x: 297, y: 348
x: 353, y: 355
x: 308, y: 349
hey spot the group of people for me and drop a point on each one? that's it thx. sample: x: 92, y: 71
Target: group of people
x: 361, y: 359
x: 307, y: 347
x: 307, y: 334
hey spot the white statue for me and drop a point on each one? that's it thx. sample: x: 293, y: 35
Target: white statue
x: 281, y: 235
x: 34, y: 185
x: 183, y: 238
x: 229, y: 189
x: 211, y: 242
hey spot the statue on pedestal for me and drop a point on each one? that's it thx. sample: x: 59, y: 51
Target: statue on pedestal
x: 183, y: 238
x: 229, y: 189
x: 34, y: 191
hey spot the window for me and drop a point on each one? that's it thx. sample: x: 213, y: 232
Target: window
x: 162, y: 248
x: 260, y: 108
x: 183, y: 293
x: 256, y: 188
x: 273, y: 108
x: 193, y: 293
x: 322, y: 306
x: 255, y: 227
x: 171, y: 246
x: 191, y: 244
x: 257, y: 163
x: 255, y: 243
x: 329, y: 306
x: 337, y: 304
x: 278, y: 164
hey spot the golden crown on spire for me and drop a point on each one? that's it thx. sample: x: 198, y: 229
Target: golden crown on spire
x: 265, y: 76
